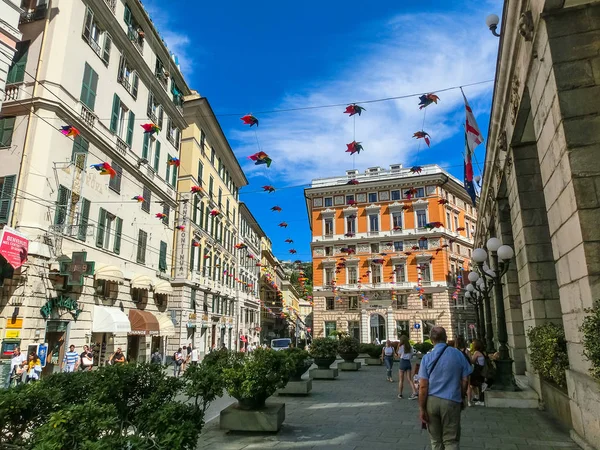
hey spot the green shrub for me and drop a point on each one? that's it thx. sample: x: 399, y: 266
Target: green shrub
x: 364, y: 348
x: 423, y: 347
x: 373, y: 350
x: 323, y: 348
x: 204, y: 382
x: 548, y: 352
x: 348, y: 345
x: 298, y: 358
x: 590, y: 330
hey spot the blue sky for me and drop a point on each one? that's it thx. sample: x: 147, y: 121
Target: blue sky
x: 262, y: 56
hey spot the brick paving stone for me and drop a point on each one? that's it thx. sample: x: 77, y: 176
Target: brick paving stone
x: 360, y: 411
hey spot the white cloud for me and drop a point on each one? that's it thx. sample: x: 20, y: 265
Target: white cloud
x: 419, y: 53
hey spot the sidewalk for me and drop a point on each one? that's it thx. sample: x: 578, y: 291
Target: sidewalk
x: 360, y: 411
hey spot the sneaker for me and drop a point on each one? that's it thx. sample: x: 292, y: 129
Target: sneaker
x: 475, y: 399
x: 484, y: 386
x: 413, y: 397
x: 470, y: 404
x: 479, y: 403
x: 400, y: 396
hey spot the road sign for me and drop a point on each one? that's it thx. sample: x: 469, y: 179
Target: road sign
x: 417, y: 326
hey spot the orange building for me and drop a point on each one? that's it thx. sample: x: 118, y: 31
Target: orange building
x: 389, y: 248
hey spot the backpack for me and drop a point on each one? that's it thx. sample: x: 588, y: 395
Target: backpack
x: 177, y: 361
x: 488, y: 370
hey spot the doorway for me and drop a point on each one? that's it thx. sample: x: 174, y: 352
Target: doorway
x: 378, y: 327
x: 56, y: 335
x: 213, y: 337
x: 133, y: 347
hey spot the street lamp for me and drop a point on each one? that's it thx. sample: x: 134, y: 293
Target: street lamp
x: 492, y: 279
x: 492, y: 22
x: 475, y: 299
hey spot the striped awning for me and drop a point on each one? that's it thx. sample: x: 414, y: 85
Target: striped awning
x: 109, y: 273
x: 142, y: 282
x: 163, y: 287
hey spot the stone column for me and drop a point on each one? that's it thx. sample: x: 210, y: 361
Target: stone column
x: 365, y: 329
x: 390, y: 323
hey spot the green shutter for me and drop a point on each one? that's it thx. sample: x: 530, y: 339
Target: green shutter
x: 127, y: 16
x: 106, y: 49
x: 87, y: 26
x: 7, y: 125
x: 201, y: 221
x: 64, y: 195
x: 135, y: 83
x: 101, y: 227
x: 167, y: 213
x: 157, y: 156
x: 168, y: 172
x: 147, y: 194
x: 130, y: 126
x: 89, y: 86
x: 145, y: 147
x: 195, y: 211
x: 141, y: 251
x: 114, y: 118
x: 192, y: 255
x: 6, y: 195
x: 174, y: 176
x: 200, y: 172
x: 162, y: 258
x: 118, y: 233
x: 16, y: 73
x: 83, y: 222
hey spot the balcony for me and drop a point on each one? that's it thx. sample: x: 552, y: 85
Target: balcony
x: 373, y: 233
x: 32, y: 15
x: 137, y: 37
x: 13, y: 92
x: 122, y: 146
x: 88, y: 115
x: 171, y: 139
x: 163, y: 77
x: 151, y: 115
x: 112, y: 4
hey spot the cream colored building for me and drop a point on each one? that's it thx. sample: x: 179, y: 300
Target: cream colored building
x: 10, y: 42
x: 101, y: 67
x: 205, y: 266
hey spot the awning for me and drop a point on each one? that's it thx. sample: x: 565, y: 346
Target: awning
x: 165, y: 325
x: 141, y: 282
x: 109, y: 320
x: 109, y: 273
x: 163, y: 287
x: 143, y: 322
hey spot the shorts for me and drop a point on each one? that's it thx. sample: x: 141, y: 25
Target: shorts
x: 405, y: 365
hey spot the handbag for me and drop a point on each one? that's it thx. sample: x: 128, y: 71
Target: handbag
x: 489, y: 370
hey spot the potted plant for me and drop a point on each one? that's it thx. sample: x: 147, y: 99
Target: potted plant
x: 254, y: 377
x: 374, y: 352
x: 348, y: 348
x: 323, y: 351
x: 299, y: 361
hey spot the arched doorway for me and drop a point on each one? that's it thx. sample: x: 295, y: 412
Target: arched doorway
x: 377, y: 323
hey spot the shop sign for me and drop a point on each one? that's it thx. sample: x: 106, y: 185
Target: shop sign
x: 13, y: 322
x: 58, y: 303
x: 182, y: 247
x: 75, y: 269
x: 43, y: 354
x: 143, y: 332
x: 12, y: 334
x: 14, y: 247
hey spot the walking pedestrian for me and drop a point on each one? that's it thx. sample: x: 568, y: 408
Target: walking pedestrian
x: 156, y: 357
x: 71, y: 360
x: 177, y: 362
x: 86, y: 359
x: 194, y: 356
x: 461, y: 346
x: 442, y: 391
x: 477, y: 380
x: 34, y: 368
x: 387, y: 356
x: 18, y: 360
x: 405, y: 351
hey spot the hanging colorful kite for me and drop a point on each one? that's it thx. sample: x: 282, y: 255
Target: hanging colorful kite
x: 161, y: 216
x: 349, y: 235
x: 69, y: 130
x: 460, y: 229
x: 410, y: 193
x: 289, y: 241
x: 268, y: 189
x: 196, y: 189
x: 249, y: 119
x: 423, y: 135
x: 241, y: 246
x: 442, y: 201
x: 427, y: 99
x: 283, y: 225
x: 354, y: 109
x: 416, y: 169
x: 353, y: 181
x: 197, y: 244
x: 139, y: 198
x: 292, y: 251
x: 354, y: 147
x: 215, y: 212
x: 180, y: 227
x: 172, y: 161
x: 104, y: 169
x: 261, y: 158
x: 276, y: 208
x: 150, y: 128
x: 405, y: 207
x: 352, y: 202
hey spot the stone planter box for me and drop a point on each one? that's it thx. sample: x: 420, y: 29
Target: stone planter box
x: 556, y: 402
x: 267, y: 419
x: 373, y: 361
x: 349, y: 357
x: 349, y: 366
x: 324, y: 363
x: 302, y: 387
x: 323, y: 374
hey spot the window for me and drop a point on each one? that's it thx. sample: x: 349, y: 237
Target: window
x: 448, y: 221
x: 467, y: 228
x: 211, y: 183
x: 427, y: 302
x: 328, y: 201
x: 329, y: 303
x: 109, y: 224
x: 372, y: 197
x: 122, y: 121
x: 134, y: 31
x: 328, y: 276
x: 375, y: 247
x: 420, y: 192
x: 397, y: 220
x: 156, y: 164
x: 398, y: 246
x: 193, y: 299
x: 79, y: 152
x: 7, y: 125
x: 458, y: 249
x: 166, y: 211
x: 425, y: 272
x: 421, y: 218
x: 376, y: 273
x: 148, y: 147
x: 400, y: 272
x: 354, y: 329
x: 63, y: 202
x: 351, y: 224
x: 396, y: 195
x: 353, y: 302
x: 141, y: 247
x: 330, y: 327
x: 200, y: 172
x: 352, y: 275
x: 202, y: 142
x: 130, y: 80
x: 402, y: 328
x: 422, y: 244
x: 147, y: 194
x: 7, y: 186
x: 114, y: 183
x: 153, y: 108
x: 173, y: 176
x: 402, y: 301
x: 373, y: 222
x: 212, y: 156
x: 220, y: 198
x: 98, y: 39
x: 88, y: 87
x: 162, y: 257
x: 192, y: 257
x: 349, y: 198
x: 173, y: 134
x: 455, y: 222
x: 16, y: 72
x: 84, y: 218
x: 328, y: 227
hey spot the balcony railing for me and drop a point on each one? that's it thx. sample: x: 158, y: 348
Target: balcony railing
x: 38, y: 13
x: 163, y: 77
x: 137, y: 39
x: 12, y: 92
x: 122, y: 146
x: 151, y: 115
x: 88, y: 115
x: 112, y: 4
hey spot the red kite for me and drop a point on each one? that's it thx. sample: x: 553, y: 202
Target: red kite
x: 249, y: 119
x: 354, y: 109
x: 427, y: 99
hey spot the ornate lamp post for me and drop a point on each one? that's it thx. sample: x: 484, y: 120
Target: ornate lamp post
x: 492, y: 279
x: 476, y: 300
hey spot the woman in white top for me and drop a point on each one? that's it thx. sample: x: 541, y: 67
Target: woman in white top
x: 387, y: 356
x: 405, y: 351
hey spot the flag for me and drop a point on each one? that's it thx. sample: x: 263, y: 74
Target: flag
x: 473, y: 138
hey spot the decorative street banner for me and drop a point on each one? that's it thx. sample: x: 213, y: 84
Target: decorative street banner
x: 14, y: 247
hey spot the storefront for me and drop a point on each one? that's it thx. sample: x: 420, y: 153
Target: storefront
x: 167, y: 331
x: 110, y: 327
x: 144, y: 326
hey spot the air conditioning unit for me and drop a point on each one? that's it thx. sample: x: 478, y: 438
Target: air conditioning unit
x: 352, y: 172
x: 396, y: 167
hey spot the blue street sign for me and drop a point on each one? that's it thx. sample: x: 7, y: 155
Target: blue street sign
x: 43, y: 353
x: 417, y: 326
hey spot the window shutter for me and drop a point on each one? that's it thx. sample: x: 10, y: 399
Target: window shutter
x: 7, y: 125
x: 127, y: 17
x: 6, y: 194
x: 63, y: 198
x: 114, y: 118
x: 141, y: 253
x: 174, y: 176
x: 89, y: 86
x: 106, y: 50
x: 87, y: 26
x: 168, y: 172
x: 167, y: 212
x: 192, y: 255
x: 200, y: 172
x: 16, y: 72
x: 115, y: 182
x: 130, y: 126
x: 118, y: 233
x: 162, y: 258
x: 135, y: 85
x: 145, y: 147
x: 161, y: 114
x: 121, y: 73
x: 101, y: 228
x: 147, y: 194
x: 83, y: 222
x: 195, y: 212
x: 157, y: 156
x: 201, y: 218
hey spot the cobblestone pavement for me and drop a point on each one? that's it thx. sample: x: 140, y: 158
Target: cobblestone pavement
x: 360, y: 411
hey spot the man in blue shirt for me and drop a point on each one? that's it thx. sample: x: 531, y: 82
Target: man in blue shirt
x: 443, y: 381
